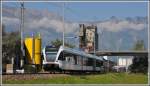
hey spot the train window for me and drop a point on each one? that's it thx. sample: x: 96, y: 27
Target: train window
x: 89, y: 62
x: 79, y: 60
x: 61, y: 56
x: 84, y: 61
x: 68, y: 59
x: 51, y: 57
x: 75, y: 59
x: 50, y: 53
x: 99, y: 63
x: 51, y: 49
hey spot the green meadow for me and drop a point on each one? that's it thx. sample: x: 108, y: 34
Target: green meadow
x: 109, y: 78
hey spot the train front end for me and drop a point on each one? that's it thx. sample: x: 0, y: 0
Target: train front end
x: 49, y: 58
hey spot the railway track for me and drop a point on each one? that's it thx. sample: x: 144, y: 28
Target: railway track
x: 43, y: 75
x: 29, y: 76
x: 33, y: 73
x: 64, y: 72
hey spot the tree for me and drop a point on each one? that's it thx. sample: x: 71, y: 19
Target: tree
x: 140, y: 63
x: 57, y: 43
x: 3, y: 30
x: 9, y: 45
x: 11, y: 41
x: 139, y: 46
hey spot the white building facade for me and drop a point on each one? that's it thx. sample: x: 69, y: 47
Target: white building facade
x: 123, y: 63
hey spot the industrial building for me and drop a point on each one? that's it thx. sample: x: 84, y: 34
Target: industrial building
x: 88, y: 38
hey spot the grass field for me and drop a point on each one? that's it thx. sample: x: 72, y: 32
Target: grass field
x: 109, y: 78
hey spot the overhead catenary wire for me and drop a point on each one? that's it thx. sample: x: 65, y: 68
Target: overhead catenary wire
x: 68, y: 9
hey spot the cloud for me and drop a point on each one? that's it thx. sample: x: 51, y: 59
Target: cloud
x: 121, y: 25
x: 57, y: 25
x: 43, y: 19
x: 37, y: 19
x: 10, y: 20
x: 54, y: 24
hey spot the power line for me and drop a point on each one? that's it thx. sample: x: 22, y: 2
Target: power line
x: 68, y: 9
x: 15, y: 4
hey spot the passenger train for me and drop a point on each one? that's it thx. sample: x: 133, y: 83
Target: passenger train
x: 67, y: 59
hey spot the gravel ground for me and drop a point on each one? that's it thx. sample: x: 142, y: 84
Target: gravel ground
x: 30, y: 76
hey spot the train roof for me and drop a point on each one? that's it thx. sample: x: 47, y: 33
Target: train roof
x: 78, y: 52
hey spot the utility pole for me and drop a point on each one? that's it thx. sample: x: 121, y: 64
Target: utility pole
x: 118, y: 49
x: 100, y: 38
x: 94, y: 51
x: 94, y: 44
x: 21, y: 31
x: 63, y: 21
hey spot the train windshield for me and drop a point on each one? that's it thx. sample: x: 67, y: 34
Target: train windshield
x: 51, y: 53
x: 50, y: 57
